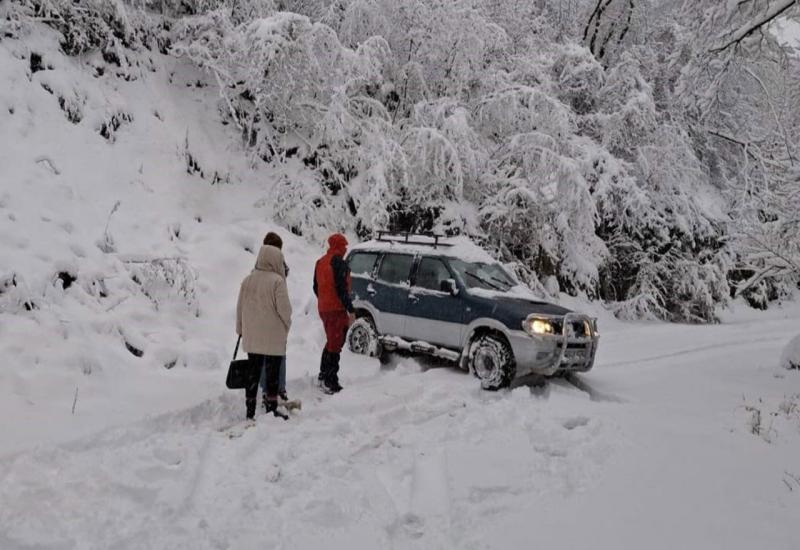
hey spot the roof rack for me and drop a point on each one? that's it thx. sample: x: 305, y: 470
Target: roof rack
x: 405, y: 238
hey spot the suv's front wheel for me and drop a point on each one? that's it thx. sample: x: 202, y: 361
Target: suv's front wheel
x: 492, y: 361
x: 363, y: 338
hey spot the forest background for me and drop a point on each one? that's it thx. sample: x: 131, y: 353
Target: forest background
x: 639, y: 152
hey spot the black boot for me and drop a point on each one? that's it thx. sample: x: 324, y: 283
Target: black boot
x: 325, y: 372
x: 272, y: 407
x: 323, y: 365
x: 333, y: 372
x: 251, y: 408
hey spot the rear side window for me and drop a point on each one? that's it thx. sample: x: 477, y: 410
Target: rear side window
x: 362, y: 263
x: 395, y: 268
x: 430, y: 274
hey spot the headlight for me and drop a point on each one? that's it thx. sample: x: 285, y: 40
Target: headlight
x: 538, y: 327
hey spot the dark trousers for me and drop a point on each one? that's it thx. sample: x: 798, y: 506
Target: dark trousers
x: 270, y: 364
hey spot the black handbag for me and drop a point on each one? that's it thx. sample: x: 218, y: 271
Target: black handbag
x: 241, y: 373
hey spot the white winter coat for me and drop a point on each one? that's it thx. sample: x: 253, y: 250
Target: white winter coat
x: 263, y: 312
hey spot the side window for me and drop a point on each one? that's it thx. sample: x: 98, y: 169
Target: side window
x: 430, y: 274
x: 395, y: 268
x: 362, y: 263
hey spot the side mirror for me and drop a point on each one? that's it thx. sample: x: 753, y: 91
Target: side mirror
x: 449, y: 286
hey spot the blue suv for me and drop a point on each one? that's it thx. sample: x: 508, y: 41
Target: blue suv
x: 449, y: 298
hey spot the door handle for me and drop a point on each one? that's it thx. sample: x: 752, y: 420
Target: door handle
x: 371, y: 290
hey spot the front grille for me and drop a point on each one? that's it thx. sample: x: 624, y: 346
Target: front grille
x: 575, y: 329
x: 577, y: 356
x: 580, y: 329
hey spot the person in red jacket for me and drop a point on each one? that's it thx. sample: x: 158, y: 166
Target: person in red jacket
x: 332, y: 288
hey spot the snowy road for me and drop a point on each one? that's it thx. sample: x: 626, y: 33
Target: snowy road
x: 654, y: 449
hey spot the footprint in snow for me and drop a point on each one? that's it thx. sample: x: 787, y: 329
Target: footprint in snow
x: 273, y: 473
x: 576, y: 422
x: 413, y: 525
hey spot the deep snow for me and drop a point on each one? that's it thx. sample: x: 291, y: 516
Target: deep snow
x: 681, y: 437
x: 658, y: 447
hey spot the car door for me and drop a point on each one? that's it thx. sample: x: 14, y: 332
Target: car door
x: 432, y: 314
x: 362, y: 270
x: 389, y: 291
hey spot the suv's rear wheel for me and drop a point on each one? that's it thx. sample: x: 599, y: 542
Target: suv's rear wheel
x: 492, y: 361
x: 363, y: 338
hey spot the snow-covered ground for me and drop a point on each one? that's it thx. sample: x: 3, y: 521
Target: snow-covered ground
x: 681, y: 437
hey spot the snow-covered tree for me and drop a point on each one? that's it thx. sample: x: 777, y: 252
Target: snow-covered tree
x: 637, y: 151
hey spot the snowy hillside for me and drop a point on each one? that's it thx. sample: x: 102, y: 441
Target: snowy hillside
x: 129, y: 215
x: 119, y: 269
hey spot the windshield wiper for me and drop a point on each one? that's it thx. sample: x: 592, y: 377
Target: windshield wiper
x: 501, y: 281
x: 484, y: 281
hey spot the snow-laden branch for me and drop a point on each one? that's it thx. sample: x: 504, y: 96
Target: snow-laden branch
x: 771, y: 103
x: 772, y: 13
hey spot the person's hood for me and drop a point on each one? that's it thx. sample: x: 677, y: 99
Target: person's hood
x: 270, y: 258
x: 337, y: 243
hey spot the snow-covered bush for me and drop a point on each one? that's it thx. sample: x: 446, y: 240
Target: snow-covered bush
x: 772, y: 419
x: 435, y: 167
x: 357, y: 21
x: 15, y: 295
x: 516, y: 109
x: 71, y: 99
x: 276, y: 74
x: 361, y: 156
x: 449, y: 42
x: 296, y: 88
x: 628, y: 110
x: 453, y: 120
x: 538, y: 207
x: 767, y: 266
x: 578, y: 77
x: 790, y: 358
x: 167, y: 282
x: 85, y: 25
x: 112, y: 35
x: 682, y: 232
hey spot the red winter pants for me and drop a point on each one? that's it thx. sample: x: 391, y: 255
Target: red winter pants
x: 335, y: 323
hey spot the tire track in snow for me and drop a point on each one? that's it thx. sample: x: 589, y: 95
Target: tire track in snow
x: 430, y: 499
x: 387, y: 464
x: 594, y: 394
x: 691, y: 351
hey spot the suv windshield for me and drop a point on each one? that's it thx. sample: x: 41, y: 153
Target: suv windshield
x: 482, y: 275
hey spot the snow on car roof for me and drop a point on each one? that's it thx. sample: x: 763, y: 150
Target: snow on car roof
x: 453, y: 247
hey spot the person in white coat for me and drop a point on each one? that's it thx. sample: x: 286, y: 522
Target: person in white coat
x: 263, y: 320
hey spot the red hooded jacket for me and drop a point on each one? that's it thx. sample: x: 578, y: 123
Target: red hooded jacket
x: 332, y: 277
